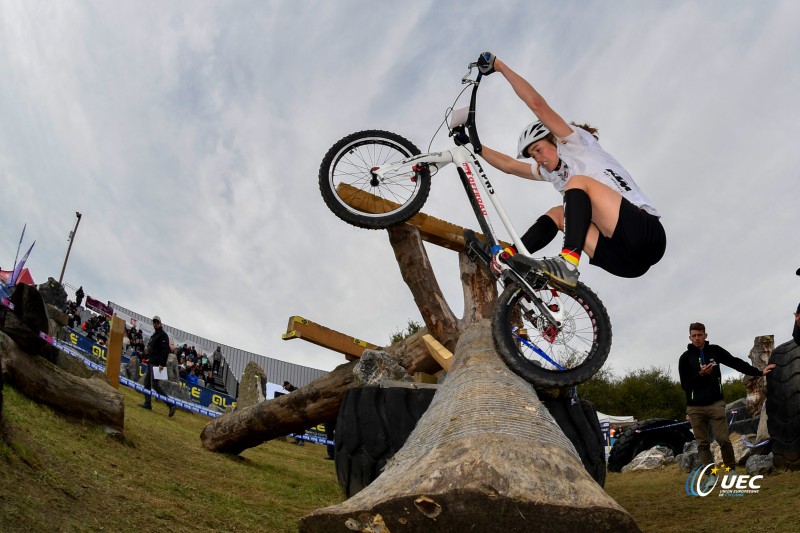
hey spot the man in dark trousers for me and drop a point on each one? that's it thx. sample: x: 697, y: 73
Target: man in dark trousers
x: 701, y: 379
x: 79, y: 296
x: 158, y: 351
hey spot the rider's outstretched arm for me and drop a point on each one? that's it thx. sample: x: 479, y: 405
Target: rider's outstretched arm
x: 534, y: 100
x: 508, y: 164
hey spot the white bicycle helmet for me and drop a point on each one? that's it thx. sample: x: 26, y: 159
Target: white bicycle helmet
x: 533, y: 132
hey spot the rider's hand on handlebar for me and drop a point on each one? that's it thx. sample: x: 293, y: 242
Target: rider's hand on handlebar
x: 486, y: 63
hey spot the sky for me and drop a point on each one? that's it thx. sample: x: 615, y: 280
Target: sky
x: 189, y: 134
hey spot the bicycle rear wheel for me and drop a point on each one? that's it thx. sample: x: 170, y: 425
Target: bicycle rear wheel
x: 358, y: 197
x: 542, y: 354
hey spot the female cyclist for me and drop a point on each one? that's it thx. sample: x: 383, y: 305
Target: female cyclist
x: 603, y: 214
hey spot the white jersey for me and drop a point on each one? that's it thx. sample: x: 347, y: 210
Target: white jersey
x: 582, y: 155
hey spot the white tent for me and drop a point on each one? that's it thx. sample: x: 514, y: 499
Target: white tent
x: 608, y: 419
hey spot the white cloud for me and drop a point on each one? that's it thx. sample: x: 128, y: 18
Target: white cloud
x: 190, y: 137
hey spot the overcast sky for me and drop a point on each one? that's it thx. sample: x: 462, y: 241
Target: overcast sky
x: 189, y: 135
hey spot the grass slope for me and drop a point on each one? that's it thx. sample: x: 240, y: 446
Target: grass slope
x: 59, y: 474
x: 63, y: 475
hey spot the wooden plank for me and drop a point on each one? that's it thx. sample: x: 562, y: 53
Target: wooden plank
x: 302, y: 328
x: 433, y: 230
x: 442, y: 355
x: 114, y: 350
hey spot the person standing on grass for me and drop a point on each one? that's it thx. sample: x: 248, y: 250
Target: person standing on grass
x: 701, y: 380
x: 157, y: 351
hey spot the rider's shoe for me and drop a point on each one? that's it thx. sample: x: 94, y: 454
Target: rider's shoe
x: 561, y: 272
x: 498, y: 263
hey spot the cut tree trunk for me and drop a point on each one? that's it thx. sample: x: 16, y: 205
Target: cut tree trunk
x: 319, y: 401
x: 486, y: 456
x: 89, y: 399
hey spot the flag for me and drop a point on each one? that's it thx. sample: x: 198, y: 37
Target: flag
x: 18, y: 266
x: 19, y: 245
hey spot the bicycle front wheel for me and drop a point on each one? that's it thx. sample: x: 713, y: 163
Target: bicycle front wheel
x: 539, y: 352
x: 362, y: 199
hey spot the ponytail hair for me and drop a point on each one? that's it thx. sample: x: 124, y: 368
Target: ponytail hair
x: 588, y: 128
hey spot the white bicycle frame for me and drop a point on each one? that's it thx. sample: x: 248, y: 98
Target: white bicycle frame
x: 464, y: 158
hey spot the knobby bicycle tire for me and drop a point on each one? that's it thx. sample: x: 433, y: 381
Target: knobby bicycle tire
x: 348, y: 162
x: 581, y: 347
x: 783, y: 405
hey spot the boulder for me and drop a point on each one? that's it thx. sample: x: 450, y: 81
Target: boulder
x: 57, y: 315
x: 762, y: 434
x: 376, y: 366
x: 652, y: 459
x: 740, y: 450
x: 53, y: 293
x: 251, y: 387
x: 688, y: 461
x: 760, y: 464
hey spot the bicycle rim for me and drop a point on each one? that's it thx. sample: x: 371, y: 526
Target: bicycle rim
x: 351, y: 168
x: 543, y: 353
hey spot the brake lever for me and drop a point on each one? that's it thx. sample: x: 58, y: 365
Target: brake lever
x: 465, y: 78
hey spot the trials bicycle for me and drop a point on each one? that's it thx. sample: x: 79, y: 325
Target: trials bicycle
x: 551, y: 337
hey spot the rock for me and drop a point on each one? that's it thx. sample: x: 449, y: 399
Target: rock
x: 760, y: 464
x: 27, y: 320
x: 173, y: 371
x: 53, y: 293
x: 252, y: 385
x: 763, y: 433
x: 133, y: 369
x: 57, y: 315
x: 651, y: 459
x: 175, y: 390
x: 688, y: 461
x: 376, y: 366
x: 740, y: 450
x: 690, y: 447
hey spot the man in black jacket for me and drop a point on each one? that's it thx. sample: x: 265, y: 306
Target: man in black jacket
x: 701, y: 379
x: 158, y: 352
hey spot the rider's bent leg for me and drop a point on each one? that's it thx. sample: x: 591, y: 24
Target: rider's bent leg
x: 543, y: 231
x: 577, y: 217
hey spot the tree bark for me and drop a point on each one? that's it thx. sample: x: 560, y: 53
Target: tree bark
x: 89, y: 399
x: 319, y: 401
x: 486, y: 456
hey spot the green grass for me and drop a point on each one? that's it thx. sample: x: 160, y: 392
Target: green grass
x: 59, y: 474
x: 658, y: 502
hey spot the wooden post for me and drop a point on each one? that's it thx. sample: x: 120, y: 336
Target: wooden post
x: 114, y: 351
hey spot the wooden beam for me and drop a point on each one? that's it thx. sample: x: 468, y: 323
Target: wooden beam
x: 431, y: 229
x: 442, y: 355
x: 301, y: 328
x: 114, y: 350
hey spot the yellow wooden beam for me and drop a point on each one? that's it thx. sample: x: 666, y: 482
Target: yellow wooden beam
x: 431, y: 229
x: 442, y: 355
x: 301, y: 328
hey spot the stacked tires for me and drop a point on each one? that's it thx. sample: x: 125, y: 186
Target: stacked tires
x: 645, y: 435
x: 375, y: 422
x: 578, y: 420
x: 783, y: 405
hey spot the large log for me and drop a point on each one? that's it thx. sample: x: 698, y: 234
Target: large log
x: 486, y: 456
x: 89, y: 399
x: 319, y: 401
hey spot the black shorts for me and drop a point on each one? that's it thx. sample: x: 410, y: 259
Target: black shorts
x: 637, y: 244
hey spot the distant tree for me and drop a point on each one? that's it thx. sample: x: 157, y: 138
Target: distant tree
x: 733, y: 389
x: 412, y: 327
x: 650, y: 393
